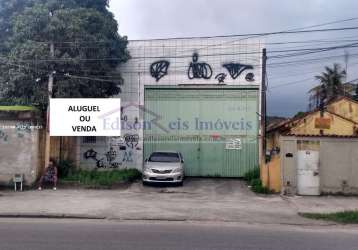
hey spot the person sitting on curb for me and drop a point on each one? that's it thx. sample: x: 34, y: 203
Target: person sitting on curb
x: 50, y: 175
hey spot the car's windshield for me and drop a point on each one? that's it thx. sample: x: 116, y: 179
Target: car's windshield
x: 164, y: 157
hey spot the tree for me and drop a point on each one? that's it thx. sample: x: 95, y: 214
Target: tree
x: 88, y: 50
x: 331, y: 86
x: 299, y: 114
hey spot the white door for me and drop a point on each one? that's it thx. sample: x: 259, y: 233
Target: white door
x: 307, y: 172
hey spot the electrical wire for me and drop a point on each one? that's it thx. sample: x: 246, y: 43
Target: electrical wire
x: 302, y: 52
x: 182, y: 69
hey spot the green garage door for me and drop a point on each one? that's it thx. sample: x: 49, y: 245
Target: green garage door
x: 216, y: 129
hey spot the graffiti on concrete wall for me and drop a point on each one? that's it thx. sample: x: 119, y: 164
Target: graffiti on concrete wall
x: 131, y: 140
x: 235, y: 69
x: 22, y: 129
x: 90, y: 154
x: 221, y: 77
x: 159, y: 69
x: 199, y: 69
x: 19, y: 130
x: 107, y: 161
x: 203, y: 70
x: 250, y: 77
x: 120, y: 153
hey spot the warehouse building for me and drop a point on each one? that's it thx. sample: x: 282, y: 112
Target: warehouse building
x: 199, y: 96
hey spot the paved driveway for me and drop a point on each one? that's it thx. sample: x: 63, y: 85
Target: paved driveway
x: 206, y: 199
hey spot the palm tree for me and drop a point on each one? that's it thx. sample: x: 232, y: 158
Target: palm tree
x: 331, y: 86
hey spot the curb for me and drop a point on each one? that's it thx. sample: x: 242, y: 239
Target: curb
x: 153, y: 219
x: 52, y: 216
x: 283, y: 223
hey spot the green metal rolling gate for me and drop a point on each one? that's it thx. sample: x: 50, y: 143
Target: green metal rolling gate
x: 215, y: 128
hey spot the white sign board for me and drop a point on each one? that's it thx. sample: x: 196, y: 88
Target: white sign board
x: 234, y: 143
x: 85, y: 117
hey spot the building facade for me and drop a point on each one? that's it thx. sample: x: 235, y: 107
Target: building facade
x: 314, y: 165
x: 338, y: 122
x: 199, y: 96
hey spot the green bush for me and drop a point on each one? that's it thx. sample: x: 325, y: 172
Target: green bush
x: 255, y: 182
x: 65, y: 168
x: 257, y: 187
x: 252, y: 177
x: 345, y: 217
x: 107, y: 178
x: 252, y: 174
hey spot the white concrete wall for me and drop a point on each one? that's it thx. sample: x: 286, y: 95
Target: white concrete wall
x: 136, y: 74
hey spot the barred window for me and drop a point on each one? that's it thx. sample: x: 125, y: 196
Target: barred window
x: 89, y: 139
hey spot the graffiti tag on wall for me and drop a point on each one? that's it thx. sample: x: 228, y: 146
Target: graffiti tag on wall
x: 235, y: 69
x: 199, y: 69
x: 18, y: 130
x: 203, y: 70
x: 120, y: 152
x: 159, y: 69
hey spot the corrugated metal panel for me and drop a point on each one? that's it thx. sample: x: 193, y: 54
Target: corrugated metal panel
x: 203, y: 125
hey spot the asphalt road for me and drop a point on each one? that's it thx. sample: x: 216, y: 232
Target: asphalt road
x: 81, y: 234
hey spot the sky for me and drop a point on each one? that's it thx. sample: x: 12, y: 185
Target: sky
x: 288, y: 83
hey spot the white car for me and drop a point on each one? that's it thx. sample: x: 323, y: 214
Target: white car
x: 163, y: 166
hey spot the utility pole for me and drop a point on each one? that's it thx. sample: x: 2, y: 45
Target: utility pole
x: 346, y: 58
x: 263, y: 114
x: 263, y: 101
x: 322, y: 98
x: 49, y: 88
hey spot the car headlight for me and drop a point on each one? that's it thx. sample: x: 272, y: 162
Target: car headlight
x: 177, y: 170
x: 147, y: 169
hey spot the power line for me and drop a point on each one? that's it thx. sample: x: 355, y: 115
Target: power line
x: 300, y: 81
x: 330, y: 23
x: 291, y: 83
x: 90, y: 78
x: 273, y: 65
x: 303, y: 52
x: 169, y: 47
x: 292, y: 31
x: 289, y: 31
x: 308, y: 60
x: 181, y: 69
x: 316, y: 50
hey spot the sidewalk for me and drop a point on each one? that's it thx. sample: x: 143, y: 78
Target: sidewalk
x: 322, y: 204
x: 197, y: 200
